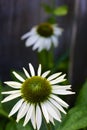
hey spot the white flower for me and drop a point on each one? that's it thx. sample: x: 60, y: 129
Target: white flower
x: 43, y: 36
x: 39, y: 95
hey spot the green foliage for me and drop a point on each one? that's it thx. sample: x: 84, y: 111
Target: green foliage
x: 47, y: 8
x: 76, y: 118
x: 61, y: 11
x: 12, y: 125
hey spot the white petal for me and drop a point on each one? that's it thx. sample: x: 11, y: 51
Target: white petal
x: 57, y: 105
x: 45, y: 113
x: 28, y: 115
x: 37, y: 44
x: 64, y: 87
x: 57, y: 31
x: 18, y: 76
x: 32, y: 71
x: 54, y: 40
x: 38, y: 117
x: 51, y: 119
x: 47, y: 43
x: 11, y: 92
x: 13, y: 84
x: 11, y: 97
x: 31, y: 40
x: 59, y: 100
x: 22, y: 111
x: 45, y: 73
x: 16, y: 107
x: 62, y: 92
x: 58, y: 80
x: 52, y: 111
x: 39, y: 70
x: 31, y: 32
x: 33, y: 119
x: 53, y: 76
x: 26, y: 73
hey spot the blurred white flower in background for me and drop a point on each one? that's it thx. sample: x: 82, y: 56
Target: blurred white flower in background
x: 43, y: 36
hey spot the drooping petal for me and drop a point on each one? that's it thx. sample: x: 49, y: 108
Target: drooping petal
x: 45, y: 113
x: 22, y: 111
x: 39, y: 70
x: 32, y: 71
x: 57, y: 31
x: 53, y: 112
x: 16, y: 107
x: 29, y: 114
x: 26, y: 73
x: 31, y: 32
x: 38, y: 117
x: 45, y: 74
x: 53, y: 76
x: 38, y: 43
x: 33, y: 119
x: 18, y: 76
x: 47, y: 43
x: 11, y: 97
x: 54, y: 41
x: 11, y: 92
x: 59, y: 100
x: 13, y: 84
x: 57, y: 105
x: 31, y: 40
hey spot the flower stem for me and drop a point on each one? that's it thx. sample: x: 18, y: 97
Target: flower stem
x: 49, y: 127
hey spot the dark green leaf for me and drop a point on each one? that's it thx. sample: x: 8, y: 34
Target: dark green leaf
x: 47, y: 8
x: 60, y: 11
x: 82, y: 97
x: 75, y: 119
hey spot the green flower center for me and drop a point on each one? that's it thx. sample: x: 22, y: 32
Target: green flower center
x: 36, y: 89
x: 45, y: 30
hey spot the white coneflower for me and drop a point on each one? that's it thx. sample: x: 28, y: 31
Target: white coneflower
x: 39, y: 96
x: 43, y: 36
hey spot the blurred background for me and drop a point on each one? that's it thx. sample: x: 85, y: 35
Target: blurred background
x: 18, y: 16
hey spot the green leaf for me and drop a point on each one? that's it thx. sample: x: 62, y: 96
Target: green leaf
x: 47, y: 8
x: 75, y: 119
x: 60, y: 11
x: 82, y: 97
x: 12, y: 125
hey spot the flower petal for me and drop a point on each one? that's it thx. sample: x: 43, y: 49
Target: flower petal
x: 33, y: 119
x: 29, y: 114
x: 31, y: 32
x: 22, y: 111
x: 59, y: 100
x: 39, y: 70
x: 13, y: 84
x: 18, y: 76
x: 57, y: 105
x: 31, y: 40
x: 26, y: 73
x: 11, y: 92
x: 53, y: 76
x: 45, y: 113
x: 52, y: 111
x: 45, y: 73
x: 54, y: 40
x: 58, y: 80
x: 62, y: 92
x: 38, y: 117
x: 16, y: 107
x: 32, y: 71
x: 64, y: 87
x: 11, y: 97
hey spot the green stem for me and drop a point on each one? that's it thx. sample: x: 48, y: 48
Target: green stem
x: 46, y: 59
x: 49, y: 127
